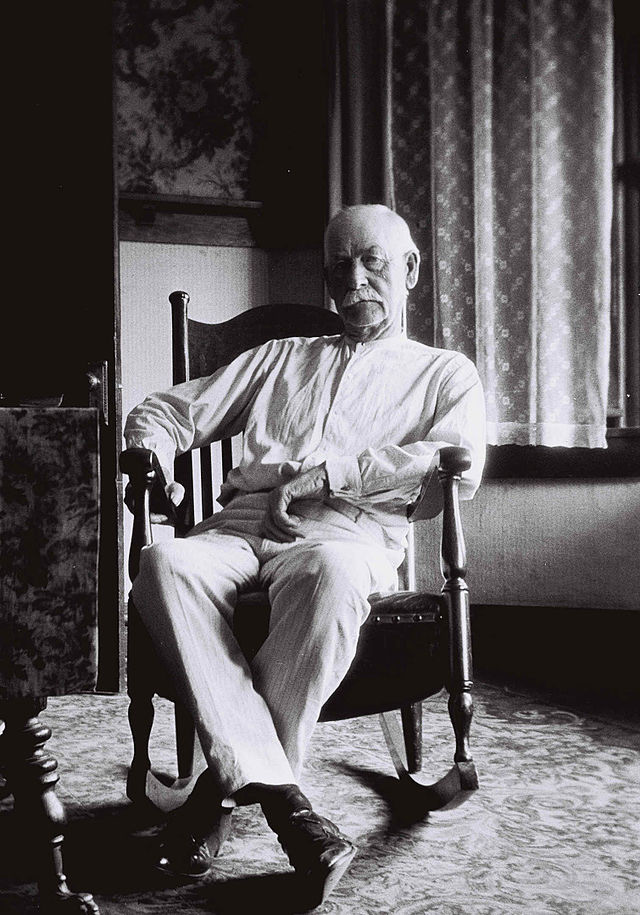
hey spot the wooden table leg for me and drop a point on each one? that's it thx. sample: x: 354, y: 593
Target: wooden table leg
x: 31, y: 778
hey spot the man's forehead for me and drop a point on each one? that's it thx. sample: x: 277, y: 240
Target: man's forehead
x: 364, y: 229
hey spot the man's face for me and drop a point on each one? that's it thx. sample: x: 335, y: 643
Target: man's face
x: 369, y: 271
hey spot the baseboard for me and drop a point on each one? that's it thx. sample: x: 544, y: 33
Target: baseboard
x: 586, y: 656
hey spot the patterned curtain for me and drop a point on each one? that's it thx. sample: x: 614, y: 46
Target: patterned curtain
x: 359, y: 64
x: 503, y: 119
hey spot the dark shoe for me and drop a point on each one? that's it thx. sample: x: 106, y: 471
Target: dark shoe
x: 195, y: 833
x: 184, y: 856
x: 318, y: 851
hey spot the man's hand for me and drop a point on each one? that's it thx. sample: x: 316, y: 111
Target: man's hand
x: 174, y: 492
x: 278, y: 524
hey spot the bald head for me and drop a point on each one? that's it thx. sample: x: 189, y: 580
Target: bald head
x: 374, y: 217
x: 371, y: 262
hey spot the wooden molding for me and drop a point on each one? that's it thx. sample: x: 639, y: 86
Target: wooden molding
x: 184, y: 220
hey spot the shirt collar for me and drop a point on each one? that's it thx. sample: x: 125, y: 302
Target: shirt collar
x: 383, y: 343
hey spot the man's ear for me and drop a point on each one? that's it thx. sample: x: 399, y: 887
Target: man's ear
x: 413, y: 269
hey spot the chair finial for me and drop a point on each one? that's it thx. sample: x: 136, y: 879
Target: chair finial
x: 179, y: 298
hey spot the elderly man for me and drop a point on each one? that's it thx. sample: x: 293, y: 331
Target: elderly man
x: 339, y: 433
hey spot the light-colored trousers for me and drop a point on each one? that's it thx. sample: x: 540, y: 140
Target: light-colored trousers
x: 254, y: 720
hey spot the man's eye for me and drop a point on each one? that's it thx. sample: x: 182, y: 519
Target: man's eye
x: 372, y: 262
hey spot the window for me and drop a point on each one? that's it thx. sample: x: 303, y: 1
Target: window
x: 624, y: 387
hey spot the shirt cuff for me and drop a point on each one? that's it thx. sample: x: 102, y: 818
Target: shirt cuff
x: 343, y: 474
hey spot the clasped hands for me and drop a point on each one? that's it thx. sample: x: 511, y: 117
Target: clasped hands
x: 278, y: 524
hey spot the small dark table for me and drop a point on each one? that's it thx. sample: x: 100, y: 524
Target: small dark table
x: 49, y: 517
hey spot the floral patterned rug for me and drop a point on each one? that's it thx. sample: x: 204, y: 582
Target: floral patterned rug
x: 553, y: 828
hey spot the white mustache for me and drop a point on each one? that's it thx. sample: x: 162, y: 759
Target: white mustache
x: 358, y: 296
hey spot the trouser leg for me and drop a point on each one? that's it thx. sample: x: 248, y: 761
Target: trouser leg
x: 318, y: 594
x: 185, y: 592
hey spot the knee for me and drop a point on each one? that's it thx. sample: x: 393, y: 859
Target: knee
x: 337, y: 570
x: 335, y: 576
x: 159, y: 563
x: 338, y: 582
x: 158, y: 557
x: 163, y: 568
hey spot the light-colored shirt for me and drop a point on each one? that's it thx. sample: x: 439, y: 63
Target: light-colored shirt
x: 375, y: 414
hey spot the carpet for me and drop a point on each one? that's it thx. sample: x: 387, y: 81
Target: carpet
x: 553, y: 829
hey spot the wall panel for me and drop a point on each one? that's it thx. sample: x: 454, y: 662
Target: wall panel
x: 221, y: 282
x: 562, y: 543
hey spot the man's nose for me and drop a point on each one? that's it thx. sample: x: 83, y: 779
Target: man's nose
x: 356, y: 277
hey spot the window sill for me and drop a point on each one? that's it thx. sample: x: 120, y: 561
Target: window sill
x: 620, y: 459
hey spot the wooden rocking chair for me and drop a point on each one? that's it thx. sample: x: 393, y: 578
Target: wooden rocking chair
x: 413, y: 643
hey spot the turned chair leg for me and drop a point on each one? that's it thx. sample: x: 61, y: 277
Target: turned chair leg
x: 460, y: 703
x: 140, y: 688
x: 412, y: 730
x: 31, y: 778
x: 461, y: 713
x: 141, y: 714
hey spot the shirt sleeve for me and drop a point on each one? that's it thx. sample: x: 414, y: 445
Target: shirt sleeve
x: 198, y: 412
x: 396, y: 472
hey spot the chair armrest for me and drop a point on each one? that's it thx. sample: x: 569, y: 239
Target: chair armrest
x: 452, y: 462
x: 147, y: 484
x: 454, y: 459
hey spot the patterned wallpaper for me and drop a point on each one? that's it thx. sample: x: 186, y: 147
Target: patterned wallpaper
x: 184, y: 97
